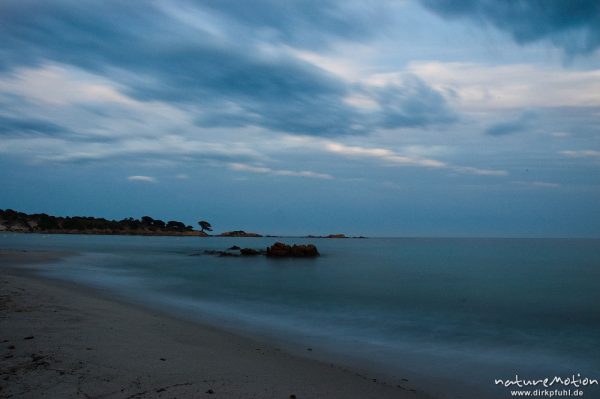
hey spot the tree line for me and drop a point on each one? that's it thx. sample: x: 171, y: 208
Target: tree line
x: 14, y: 220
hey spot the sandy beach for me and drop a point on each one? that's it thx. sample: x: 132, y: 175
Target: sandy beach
x: 64, y: 341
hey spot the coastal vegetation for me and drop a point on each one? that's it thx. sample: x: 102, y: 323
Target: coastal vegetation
x: 15, y: 221
x: 204, y: 225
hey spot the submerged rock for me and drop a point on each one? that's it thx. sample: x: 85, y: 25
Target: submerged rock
x: 219, y: 253
x: 249, y: 252
x: 225, y: 253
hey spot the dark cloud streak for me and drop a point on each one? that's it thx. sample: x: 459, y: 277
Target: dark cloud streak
x: 412, y: 104
x: 10, y: 126
x: 518, y: 125
x: 573, y: 25
x: 305, y: 23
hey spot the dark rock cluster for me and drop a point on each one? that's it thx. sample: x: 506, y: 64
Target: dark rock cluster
x: 277, y: 250
x: 281, y: 250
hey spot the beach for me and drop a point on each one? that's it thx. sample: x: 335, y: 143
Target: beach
x: 369, y: 318
x: 61, y: 340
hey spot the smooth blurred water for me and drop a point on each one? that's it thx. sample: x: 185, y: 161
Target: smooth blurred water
x: 450, y: 312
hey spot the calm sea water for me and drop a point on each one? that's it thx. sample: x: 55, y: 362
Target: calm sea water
x: 451, y: 315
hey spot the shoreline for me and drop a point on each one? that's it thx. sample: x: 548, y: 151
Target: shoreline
x: 109, y: 233
x: 86, y: 344
x: 194, y: 233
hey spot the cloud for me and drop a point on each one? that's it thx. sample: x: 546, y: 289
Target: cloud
x: 57, y: 85
x: 145, y: 179
x: 581, y: 154
x: 504, y: 128
x: 304, y: 23
x: 199, y: 69
x: 479, y: 171
x: 536, y: 184
x: 178, y: 53
x: 82, y: 105
x: 28, y: 126
x: 241, y: 167
x: 157, y: 150
x: 393, y: 158
x: 83, y: 124
x: 407, y: 101
x: 572, y: 25
x: 382, y: 154
x: 478, y: 86
x: 517, y: 125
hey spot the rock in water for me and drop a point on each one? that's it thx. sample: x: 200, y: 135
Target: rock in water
x: 249, y: 252
x: 281, y: 250
x: 304, y: 251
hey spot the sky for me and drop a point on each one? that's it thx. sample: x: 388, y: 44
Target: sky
x: 388, y: 118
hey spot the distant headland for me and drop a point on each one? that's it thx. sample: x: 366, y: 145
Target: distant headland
x: 15, y: 221
x: 21, y: 222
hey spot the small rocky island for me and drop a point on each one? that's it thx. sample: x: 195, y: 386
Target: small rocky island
x: 277, y: 250
x: 238, y: 233
x: 337, y: 235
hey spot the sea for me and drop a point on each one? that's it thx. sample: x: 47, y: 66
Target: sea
x: 446, y: 316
